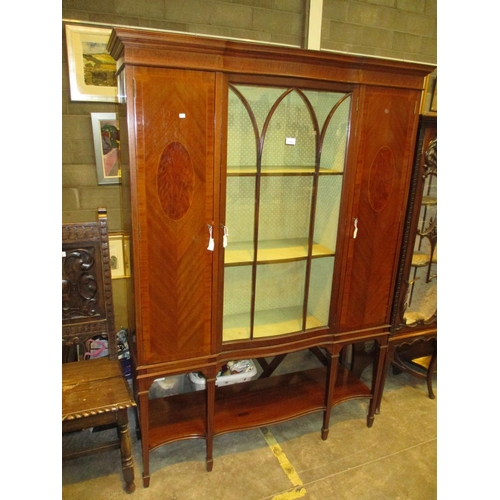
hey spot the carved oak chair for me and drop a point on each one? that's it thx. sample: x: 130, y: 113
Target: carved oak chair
x: 94, y: 392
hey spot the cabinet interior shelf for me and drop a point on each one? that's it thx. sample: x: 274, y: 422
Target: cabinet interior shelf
x: 268, y: 323
x: 248, y: 405
x: 272, y: 251
x: 251, y: 170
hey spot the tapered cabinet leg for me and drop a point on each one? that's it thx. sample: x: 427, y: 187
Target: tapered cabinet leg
x: 386, y: 364
x: 330, y: 384
x: 210, y: 418
x: 378, y: 378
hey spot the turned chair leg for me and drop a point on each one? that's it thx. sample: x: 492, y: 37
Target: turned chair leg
x: 126, y: 452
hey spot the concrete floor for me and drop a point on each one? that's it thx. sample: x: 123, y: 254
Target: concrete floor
x: 395, y: 459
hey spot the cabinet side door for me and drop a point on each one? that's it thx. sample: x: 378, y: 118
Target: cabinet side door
x: 386, y: 135
x: 174, y: 128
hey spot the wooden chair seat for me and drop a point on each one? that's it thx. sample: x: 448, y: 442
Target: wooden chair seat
x: 93, y: 388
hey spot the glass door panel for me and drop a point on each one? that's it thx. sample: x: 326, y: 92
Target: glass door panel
x: 284, y: 217
x: 320, y: 292
x: 289, y: 139
x: 286, y: 153
x: 279, y: 298
x: 237, y: 302
x: 240, y: 196
x: 327, y: 211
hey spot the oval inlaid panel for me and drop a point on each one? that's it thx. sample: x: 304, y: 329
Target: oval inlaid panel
x: 175, y: 180
x: 381, y: 179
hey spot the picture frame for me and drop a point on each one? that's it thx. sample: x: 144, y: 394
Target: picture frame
x: 119, y: 255
x: 92, y: 71
x: 428, y: 105
x: 106, y: 133
x: 434, y: 100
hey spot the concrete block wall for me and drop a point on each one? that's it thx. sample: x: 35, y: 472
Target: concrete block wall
x: 403, y: 29
x: 399, y: 29
x: 277, y: 21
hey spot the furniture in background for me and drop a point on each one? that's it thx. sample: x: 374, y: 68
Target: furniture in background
x: 413, y: 342
x: 266, y: 187
x: 94, y: 391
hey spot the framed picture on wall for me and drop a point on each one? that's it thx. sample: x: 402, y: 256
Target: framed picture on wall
x: 106, y: 134
x: 434, y: 102
x: 91, y: 68
x: 119, y: 254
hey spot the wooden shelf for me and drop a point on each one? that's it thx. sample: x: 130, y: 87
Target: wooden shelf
x: 422, y: 259
x: 250, y: 170
x: 268, y: 323
x: 249, y: 405
x: 429, y: 201
x: 177, y: 417
x: 272, y: 251
x: 413, y: 317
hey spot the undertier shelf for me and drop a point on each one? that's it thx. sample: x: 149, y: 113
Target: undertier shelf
x: 272, y: 251
x: 249, y: 405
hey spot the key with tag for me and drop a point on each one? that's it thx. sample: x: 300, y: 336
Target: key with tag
x: 224, y: 236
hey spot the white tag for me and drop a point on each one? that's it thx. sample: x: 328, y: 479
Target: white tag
x: 290, y: 141
x: 182, y: 115
x: 63, y: 253
x: 224, y: 237
x: 211, y: 243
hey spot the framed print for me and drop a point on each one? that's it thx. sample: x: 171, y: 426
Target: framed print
x: 434, y: 101
x: 119, y: 255
x: 106, y: 134
x: 428, y: 105
x: 91, y: 68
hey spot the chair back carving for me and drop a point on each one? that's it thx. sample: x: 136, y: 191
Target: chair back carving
x: 87, y: 297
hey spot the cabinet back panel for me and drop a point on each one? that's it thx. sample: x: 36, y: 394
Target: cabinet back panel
x: 174, y: 126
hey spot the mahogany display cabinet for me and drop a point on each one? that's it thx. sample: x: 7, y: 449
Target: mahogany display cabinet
x: 267, y: 188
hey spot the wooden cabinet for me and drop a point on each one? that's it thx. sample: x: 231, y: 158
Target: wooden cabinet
x: 267, y: 192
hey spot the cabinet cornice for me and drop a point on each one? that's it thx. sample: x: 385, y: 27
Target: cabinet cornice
x: 182, y: 51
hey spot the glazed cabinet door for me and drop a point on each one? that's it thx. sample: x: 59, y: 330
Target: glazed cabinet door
x: 386, y: 134
x: 172, y: 209
x: 286, y: 149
